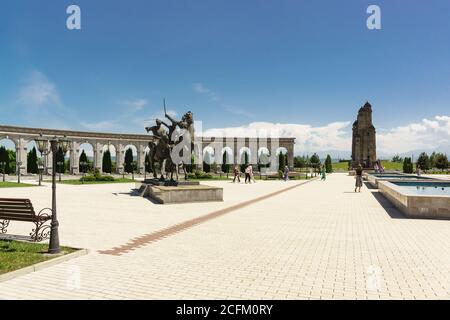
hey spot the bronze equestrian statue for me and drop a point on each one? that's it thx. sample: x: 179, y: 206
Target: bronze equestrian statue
x: 164, y: 142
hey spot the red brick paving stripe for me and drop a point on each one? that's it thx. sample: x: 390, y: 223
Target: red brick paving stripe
x: 164, y: 233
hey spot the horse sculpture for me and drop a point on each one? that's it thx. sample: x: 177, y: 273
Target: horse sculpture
x: 164, y: 142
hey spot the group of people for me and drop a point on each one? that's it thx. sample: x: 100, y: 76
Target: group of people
x: 378, y: 167
x: 248, y: 174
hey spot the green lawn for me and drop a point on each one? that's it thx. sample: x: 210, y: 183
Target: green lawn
x: 77, y: 181
x: 340, y: 166
x: 388, y: 165
x: 9, y: 184
x: 17, y: 254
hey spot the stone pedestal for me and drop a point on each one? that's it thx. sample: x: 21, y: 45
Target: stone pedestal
x: 184, y: 192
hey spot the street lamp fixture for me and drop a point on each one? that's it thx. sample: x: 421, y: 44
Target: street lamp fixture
x: 40, y: 171
x: 55, y: 143
x: 42, y: 145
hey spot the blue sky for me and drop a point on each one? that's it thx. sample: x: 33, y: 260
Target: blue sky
x: 233, y: 63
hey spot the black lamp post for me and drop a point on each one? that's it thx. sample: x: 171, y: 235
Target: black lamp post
x: 3, y: 165
x: 18, y: 165
x: 40, y: 171
x: 123, y: 170
x: 55, y: 143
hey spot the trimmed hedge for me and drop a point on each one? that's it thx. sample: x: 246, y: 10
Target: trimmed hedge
x: 97, y: 177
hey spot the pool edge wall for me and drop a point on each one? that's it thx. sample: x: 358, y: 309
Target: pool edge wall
x: 416, y: 206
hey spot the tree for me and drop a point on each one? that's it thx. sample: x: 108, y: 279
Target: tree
x: 328, y: 165
x: 226, y: 162
x: 60, y: 159
x: 148, y: 162
x: 129, y: 160
x: 4, y: 157
x: 300, y: 162
x: 433, y: 160
x: 12, y: 161
x: 245, y: 161
x: 441, y: 161
x: 397, y: 158
x: 107, y: 162
x: 315, y: 161
x: 281, y: 162
x: 423, y: 161
x: 407, y: 165
x: 83, y: 158
x: 32, y: 160
x: 207, y: 162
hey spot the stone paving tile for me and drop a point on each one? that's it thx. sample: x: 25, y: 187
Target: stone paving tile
x: 318, y: 241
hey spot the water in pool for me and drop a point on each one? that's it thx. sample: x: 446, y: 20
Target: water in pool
x: 399, y: 176
x: 425, y: 188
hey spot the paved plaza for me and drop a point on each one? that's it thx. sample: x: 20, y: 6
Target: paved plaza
x: 269, y: 240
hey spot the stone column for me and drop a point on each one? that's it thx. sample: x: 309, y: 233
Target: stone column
x: 120, y: 156
x: 235, y: 152
x: 141, y: 159
x: 199, y: 156
x: 98, y: 153
x: 74, y: 158
x: 253, y: 146
x: 290, y: 155
x: 21, y: 155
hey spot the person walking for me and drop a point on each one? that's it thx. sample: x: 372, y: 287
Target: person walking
x: 286, y: 173
x: 359, y: 172
x: 252, y: 177
x: 324, y: 174
x: 236, y: 174
x: 418, y: 169
x: 248, y: 171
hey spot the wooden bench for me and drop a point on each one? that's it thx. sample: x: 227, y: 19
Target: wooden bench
x: 22, y: 210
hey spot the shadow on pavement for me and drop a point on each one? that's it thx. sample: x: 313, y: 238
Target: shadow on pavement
x: 391, y: 210
x: 135, y: 193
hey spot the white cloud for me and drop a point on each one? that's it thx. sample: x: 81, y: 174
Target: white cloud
x: 202, y: 89
x: 425, y: 135
x: 39, y: 91
x: 135, y: 105
x: 332, y: 136
x: 100, y: 125
x: 429, y: 134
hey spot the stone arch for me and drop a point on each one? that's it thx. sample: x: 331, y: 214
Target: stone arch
x: 283, y: 150
x: 229, y: 152
x: 135, y: 153
x: 88, y: 148
x: 113, y: 152
x: 241, y: 158
x: 9, y: 144
x: 263, y: 156
x: 209, y: 155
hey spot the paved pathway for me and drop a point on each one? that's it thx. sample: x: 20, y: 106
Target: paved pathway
x: 317, y: 241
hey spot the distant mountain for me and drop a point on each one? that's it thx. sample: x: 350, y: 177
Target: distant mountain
x: 334, y: 154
